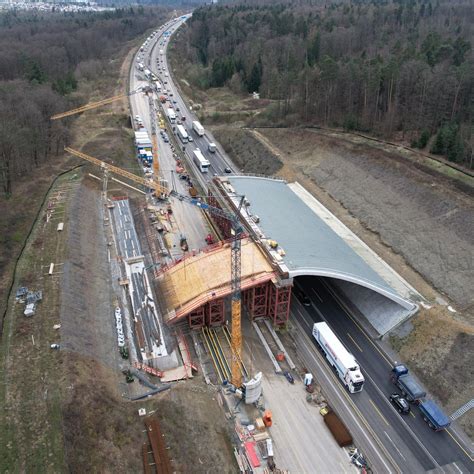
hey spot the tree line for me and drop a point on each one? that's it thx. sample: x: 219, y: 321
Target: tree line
x: 399, y: 69
x: 43, y: 58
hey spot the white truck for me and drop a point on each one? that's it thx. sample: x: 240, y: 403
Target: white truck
x: 200, y: 161
x: 198, y: 128
x: 339, y: 357
x: 212, y: 147
x: 171, y: 115
x: 182, y: 134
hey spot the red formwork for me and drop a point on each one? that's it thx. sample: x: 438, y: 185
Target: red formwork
x: 221, y: 222
x: 215, y: 312
x: 256, y: 300
x: 279, y: 304
x: 197, y: 318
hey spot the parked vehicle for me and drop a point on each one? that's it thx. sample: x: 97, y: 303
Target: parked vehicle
x: 433, y: 415
x: 400, y: 403
x: 409, y: 387
x: 343, y: 362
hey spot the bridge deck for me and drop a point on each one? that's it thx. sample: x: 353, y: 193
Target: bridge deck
x: 206, y: 276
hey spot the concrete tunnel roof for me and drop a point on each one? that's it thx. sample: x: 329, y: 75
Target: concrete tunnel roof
x: 312, y: 244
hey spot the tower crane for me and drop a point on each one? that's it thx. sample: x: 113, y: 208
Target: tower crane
x: 93, y: 105
x: 236, y: 265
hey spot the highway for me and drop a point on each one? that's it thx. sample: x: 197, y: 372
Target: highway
x: 412, y: 443
x: 405, y: 441
x: 219, y: 160
x: 186, y: 219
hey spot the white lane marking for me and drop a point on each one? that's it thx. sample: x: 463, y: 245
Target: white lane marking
x: 303, y: 318
x: 341, y: 396
x: 456, y: 466
x: 395, y: 446
x: 317, y: 295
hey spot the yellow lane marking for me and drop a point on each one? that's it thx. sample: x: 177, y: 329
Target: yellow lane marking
x: 463, y: 450
x: 379, y: 412
x: 357, y: 345
x: 412, y: 414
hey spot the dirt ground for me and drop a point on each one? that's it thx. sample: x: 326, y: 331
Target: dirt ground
x: 93, y: 402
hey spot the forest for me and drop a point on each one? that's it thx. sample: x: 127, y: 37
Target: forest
x: 43, y: 58
x: 396, y: 69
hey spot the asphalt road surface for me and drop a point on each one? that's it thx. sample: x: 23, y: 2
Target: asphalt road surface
x: 407, y: 440
x: 219, y: 160
x: 414, y: 446
x: 186, y: 220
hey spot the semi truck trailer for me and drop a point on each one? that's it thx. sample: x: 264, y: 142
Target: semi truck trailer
x: 343, y: 362
x: 198, y: 128
x: 171, y: 115
x: 434, y: 416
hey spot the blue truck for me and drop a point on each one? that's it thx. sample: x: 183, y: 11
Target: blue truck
x: 409, y: 387
x: 434, y: 416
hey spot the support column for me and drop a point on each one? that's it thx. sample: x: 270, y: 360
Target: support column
x: 279, y: 306
x: 256, y: 300
x: 221, y: 222
x: 197, y: 318
x: 215, y: 312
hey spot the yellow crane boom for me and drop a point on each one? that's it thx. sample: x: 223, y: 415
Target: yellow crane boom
x: 160, y: 190
x: 93, y: 105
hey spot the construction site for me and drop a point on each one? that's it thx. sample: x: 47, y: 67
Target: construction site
x: 203, y: 282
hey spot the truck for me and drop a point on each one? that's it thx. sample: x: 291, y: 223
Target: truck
x: 409, y: 387
x: 336, y: 427
x: 343, y: 362
x: 198, y: 128
x: 212, y: 147
x: 182, y: 134
x: 433, y: 415
x: 171, y: 115
x: 200, y: 161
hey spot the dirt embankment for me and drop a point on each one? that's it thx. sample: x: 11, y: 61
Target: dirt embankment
x: 248, y: 153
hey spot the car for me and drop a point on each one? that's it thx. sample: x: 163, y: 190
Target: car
x: 400, y: 403
x: 190, y: 138
x: 227, y: 170
x: 301, y: 295
x: 166, y: 82
x: 171, y: 94
x: 174, y: 102
x: 138, y: 118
